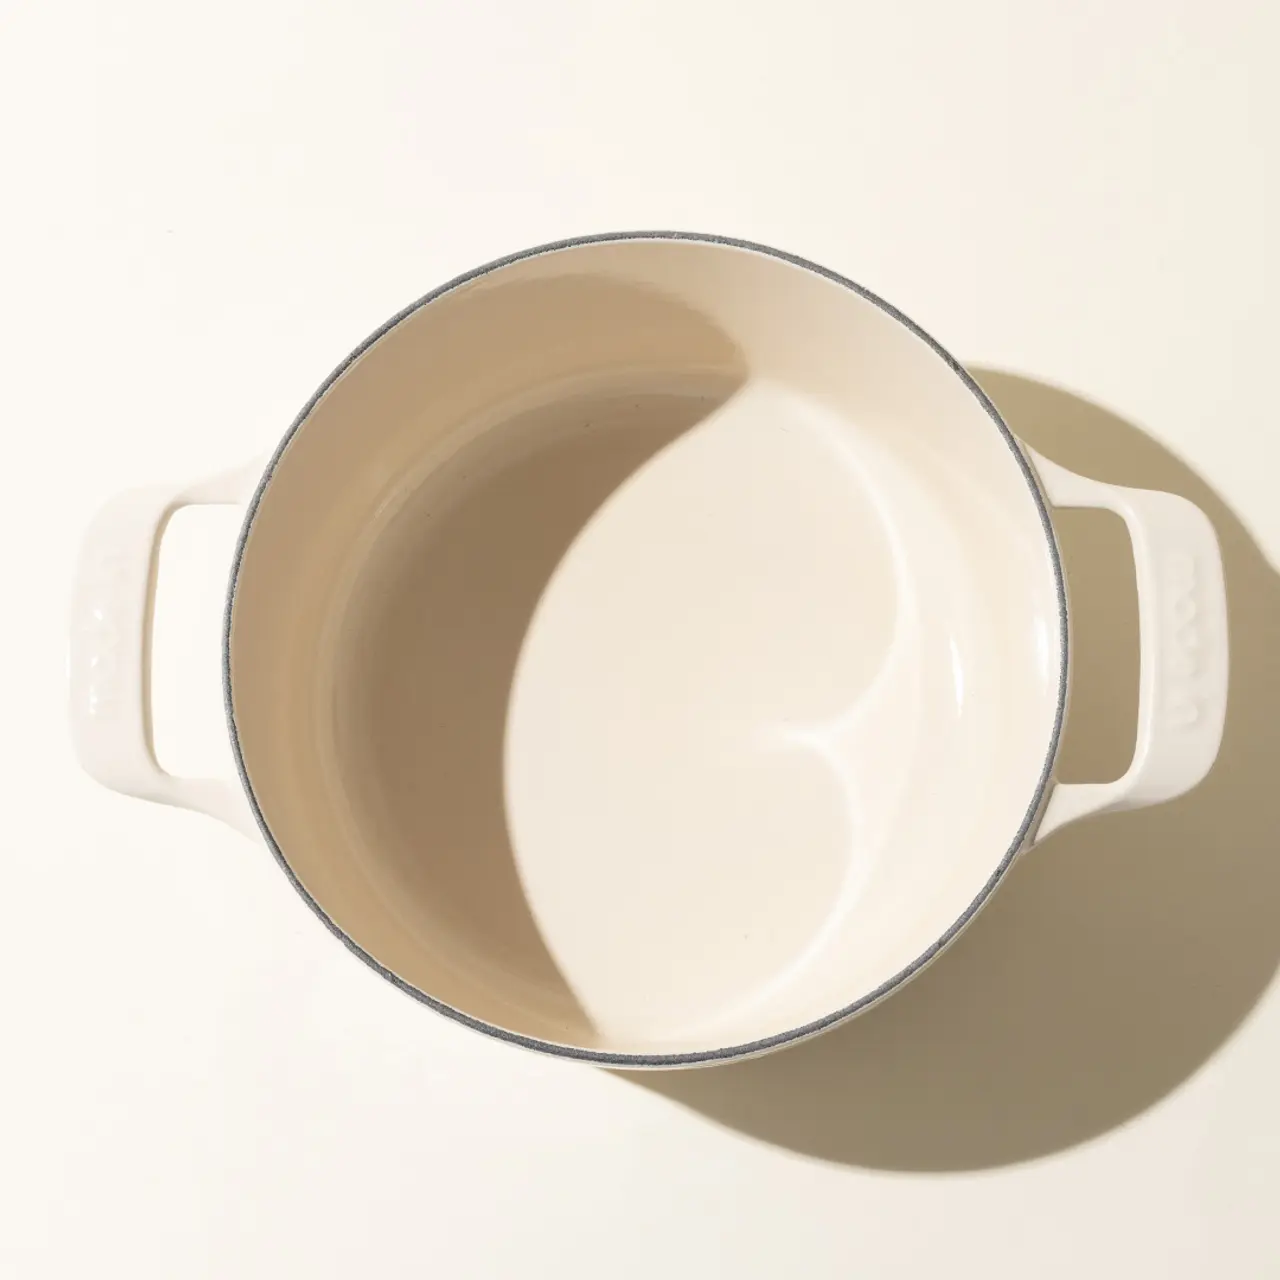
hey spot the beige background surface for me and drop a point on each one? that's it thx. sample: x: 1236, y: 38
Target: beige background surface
x: 205, y: 207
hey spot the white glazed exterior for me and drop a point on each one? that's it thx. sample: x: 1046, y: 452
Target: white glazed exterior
x: 785, y: 343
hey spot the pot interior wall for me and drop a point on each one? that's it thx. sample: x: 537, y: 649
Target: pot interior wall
x: 559, y: 520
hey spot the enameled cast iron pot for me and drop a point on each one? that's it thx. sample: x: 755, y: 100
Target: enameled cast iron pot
x: 651, y: 649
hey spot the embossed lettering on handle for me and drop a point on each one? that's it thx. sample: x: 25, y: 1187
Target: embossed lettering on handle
x: 1183, y: 706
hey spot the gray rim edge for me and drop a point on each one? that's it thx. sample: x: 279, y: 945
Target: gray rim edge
x: 754, y: 1047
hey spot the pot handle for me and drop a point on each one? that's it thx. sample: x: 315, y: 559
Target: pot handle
x: 1182, y: 629
x: 109, y: 661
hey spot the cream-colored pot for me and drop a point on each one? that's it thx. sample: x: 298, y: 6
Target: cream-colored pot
x: 651, y: 649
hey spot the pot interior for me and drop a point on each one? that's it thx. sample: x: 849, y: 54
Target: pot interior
x: 649, y: 647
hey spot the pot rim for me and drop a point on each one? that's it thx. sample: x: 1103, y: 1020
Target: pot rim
x: 753, y: 1048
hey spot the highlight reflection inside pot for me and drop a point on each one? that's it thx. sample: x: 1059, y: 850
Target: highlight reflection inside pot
x: 806, y: 686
